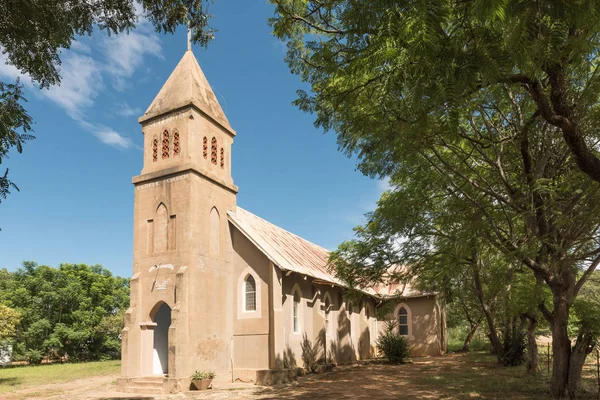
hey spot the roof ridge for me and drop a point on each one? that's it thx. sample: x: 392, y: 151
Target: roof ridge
x: 285, y: 230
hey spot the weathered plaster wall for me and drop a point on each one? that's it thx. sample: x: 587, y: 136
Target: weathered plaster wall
x: 425, y: 324
x: 251, y: 328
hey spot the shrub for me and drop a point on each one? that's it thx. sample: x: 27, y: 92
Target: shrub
x: 200, y: 375
x: 514, y: 348
x: 394, y: 346
x: 310, y: 353
x: 34, y: 356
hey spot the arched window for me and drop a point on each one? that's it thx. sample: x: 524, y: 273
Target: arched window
x: 213, y: 151
x: 175, y: 143
x: 205, y: 147
x: 296, y: 312
x: 249, y: 299
x: 165, y: 144
x: 250, y: 294
x: 155, y: 149
x: 403, y: 321
x: 222, y: 158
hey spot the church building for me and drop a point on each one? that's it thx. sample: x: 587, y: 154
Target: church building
x: 215, y: 287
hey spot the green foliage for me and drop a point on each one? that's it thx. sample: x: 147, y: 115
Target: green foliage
x: 586, y: 315
x: 199, y: 375
x: 9, y: 320
x: 394, y: 346
x: 34, y: 33
x: 33, y: 356
x: 456, y: 339
x: 484, y: 117
x: 74, y: 311
x: 514, y: 348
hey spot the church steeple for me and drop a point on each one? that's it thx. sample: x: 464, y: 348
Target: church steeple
x: 182, y: 253
x: 186, y: 128
x: 187, y: 85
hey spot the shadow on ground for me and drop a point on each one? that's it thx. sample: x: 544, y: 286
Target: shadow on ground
x: 12, y: 381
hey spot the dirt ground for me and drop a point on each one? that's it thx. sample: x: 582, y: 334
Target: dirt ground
x: 454, y: 376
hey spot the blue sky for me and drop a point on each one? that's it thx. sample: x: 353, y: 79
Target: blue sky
x: 76, y: 198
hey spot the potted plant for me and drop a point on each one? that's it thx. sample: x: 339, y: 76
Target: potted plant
x: 201, y: 380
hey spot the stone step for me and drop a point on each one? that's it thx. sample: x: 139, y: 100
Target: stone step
x: 147, y: 383
x: 144, y: 389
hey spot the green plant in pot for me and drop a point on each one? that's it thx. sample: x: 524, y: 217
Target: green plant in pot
x: 201, y: 380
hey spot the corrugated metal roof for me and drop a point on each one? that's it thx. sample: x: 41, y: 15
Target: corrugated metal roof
x: 290, y: 252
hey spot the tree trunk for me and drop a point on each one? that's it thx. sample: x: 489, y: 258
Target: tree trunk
x: 493, y: 333
x: 561, y: 348
x: 583, y: 347
x: 533, y: 361
x: 470, y: 336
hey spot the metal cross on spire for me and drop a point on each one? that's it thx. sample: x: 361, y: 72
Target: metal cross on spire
x: 189, y: 37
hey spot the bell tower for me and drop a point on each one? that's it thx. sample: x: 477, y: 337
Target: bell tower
x: 179, y: 318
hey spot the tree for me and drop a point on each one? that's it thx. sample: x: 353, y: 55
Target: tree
x: 32, y: 35
x: 497, y: 100
x: 74, y: 310
x: 9, y: 319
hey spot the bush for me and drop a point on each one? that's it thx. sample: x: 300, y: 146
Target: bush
x: 394, y: 346
x: 200, y: 375
x: 34, y: 356
x: 514, y: 349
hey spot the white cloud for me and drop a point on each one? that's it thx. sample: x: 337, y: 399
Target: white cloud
x: 87, y: 65
x: 80, y: 47
x: 81, y: 83
x: 125, y: 53
x: 107, y: 135
x: 383, y: 185
x: 126, y: 110
x: 112, y: 138
x: 10, y: 71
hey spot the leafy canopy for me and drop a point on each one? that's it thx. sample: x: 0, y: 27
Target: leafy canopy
x: 393, y: 67
x: 74, y: 310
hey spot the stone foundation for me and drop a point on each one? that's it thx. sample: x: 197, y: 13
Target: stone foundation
x: 270, y: 377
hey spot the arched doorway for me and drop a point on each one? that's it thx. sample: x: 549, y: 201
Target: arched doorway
x: 160, y: 354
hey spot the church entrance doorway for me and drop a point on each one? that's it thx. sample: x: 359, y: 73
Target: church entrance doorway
x: 160, y: 356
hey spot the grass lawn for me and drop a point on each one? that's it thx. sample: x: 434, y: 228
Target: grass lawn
x: 21, y: 377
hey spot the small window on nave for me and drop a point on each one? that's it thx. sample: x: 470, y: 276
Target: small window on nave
x: 222, y: 158
x: 250, y: 294
x: 205, y: 147
x: 296, y: 312
x: 403, y: 321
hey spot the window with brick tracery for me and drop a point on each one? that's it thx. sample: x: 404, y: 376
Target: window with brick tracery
x: 205, y: 147
x: 165, y: 144
x: 213, y: 151
x: 155, y: 150
x: 222, y: 158
x: 175, y: 143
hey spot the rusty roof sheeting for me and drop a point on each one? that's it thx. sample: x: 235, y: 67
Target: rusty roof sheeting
x: 290, y: 252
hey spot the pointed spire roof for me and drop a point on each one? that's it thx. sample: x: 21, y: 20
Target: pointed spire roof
x: 187, y: 85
